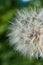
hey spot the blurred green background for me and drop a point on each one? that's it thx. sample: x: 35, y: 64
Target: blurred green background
x: 8, y: 56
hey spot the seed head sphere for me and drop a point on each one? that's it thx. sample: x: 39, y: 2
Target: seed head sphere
x: 26, y: 32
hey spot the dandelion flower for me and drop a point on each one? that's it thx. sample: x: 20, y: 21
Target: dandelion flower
x: 26, y: 32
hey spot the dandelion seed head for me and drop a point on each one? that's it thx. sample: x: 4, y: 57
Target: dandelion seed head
x: 26, y: 34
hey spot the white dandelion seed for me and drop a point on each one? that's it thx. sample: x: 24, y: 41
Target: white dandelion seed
x: 26, y: 33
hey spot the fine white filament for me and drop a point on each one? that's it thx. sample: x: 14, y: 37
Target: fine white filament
x: 26, y: 32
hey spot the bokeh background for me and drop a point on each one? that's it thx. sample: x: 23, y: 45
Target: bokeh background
x: 8, y: 56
